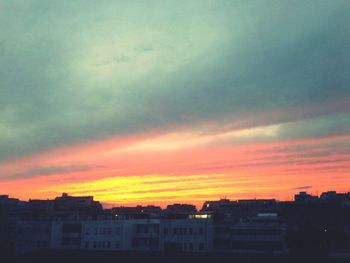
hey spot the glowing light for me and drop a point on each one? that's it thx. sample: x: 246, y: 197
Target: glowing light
x: 200, y: 216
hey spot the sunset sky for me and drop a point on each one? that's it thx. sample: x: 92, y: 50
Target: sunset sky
x: 157, y: 102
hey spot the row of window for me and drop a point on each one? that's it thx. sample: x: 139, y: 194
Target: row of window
x: 33, y: 230
x: 35, y: 243
x: 186, y: 246
x: 142, y: 229
x: 101, y: 244
x: 184, y: 231
x: 102, y: 231
x: 191, y: 246
x: 256, y: 231
x: 147, y: 228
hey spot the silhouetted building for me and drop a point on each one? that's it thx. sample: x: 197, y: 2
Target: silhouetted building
x: 11, y: 210
x: 305, y: 197
x: 221, y: 205
x: 80, y: 205
x: 180, y: 209
x: 135, y: 212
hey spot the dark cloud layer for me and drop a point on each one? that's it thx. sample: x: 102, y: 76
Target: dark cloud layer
x: 305, y: 187
x: 75, y: 71
x: 47, y: 170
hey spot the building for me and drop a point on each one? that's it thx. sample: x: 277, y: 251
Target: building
x: 304, y: 197
x: 180, y: 209
x: 135, y: 212
x: 81, y: 206
x: 11, y: 210
x: 38, y: 235
x: 124, y: 234
x: 265, y: 233
x: 191, y: 234
x: 243, y: 226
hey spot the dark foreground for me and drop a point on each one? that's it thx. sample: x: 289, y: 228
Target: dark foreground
x: 56, y: 256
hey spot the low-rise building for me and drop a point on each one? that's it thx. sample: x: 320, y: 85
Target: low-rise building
x: 37, y: 235
x: 191, y: 234
x: 133, y: 234
x: 265, y: 233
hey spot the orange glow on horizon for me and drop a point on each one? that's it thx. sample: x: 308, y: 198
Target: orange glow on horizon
x: 183, y: 168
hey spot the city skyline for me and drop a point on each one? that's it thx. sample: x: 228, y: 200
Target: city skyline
x: 164, y: 102
x: 301, y: 196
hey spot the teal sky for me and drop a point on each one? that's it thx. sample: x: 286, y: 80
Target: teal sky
x: 75, y: 72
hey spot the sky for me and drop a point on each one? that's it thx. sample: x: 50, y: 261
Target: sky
x: 160, y: 102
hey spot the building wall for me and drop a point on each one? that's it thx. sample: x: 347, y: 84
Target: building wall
x: 182, y: 235
x: 134, y: 234
x: 33, y: 235
x: 187, y: 235
x: 259, y: 235
x: 104, y: 235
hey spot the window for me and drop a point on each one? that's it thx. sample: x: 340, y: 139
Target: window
x: 71, y: 228
x: 117, y: 230
x: 87, y: 244
x: 108, y: 244
x: 201, y: 246
x: 116, y: 244
x: 184, y: 246
x: 200, y: 231
x: 190, y: 246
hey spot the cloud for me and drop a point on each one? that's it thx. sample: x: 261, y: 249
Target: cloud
x: 73, y: 72
x: 302, y: 187
x: 46, y: 171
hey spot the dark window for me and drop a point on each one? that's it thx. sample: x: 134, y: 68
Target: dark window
x: 200, y: 231
x: 71, y: 228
